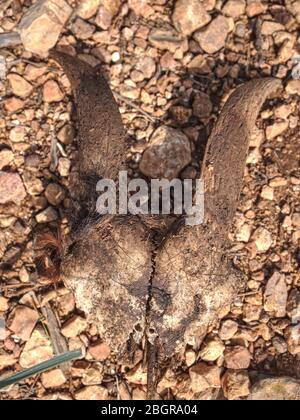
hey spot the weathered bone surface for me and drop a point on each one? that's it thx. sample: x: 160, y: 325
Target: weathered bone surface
x: 125, y: 285
x: 108, y: 266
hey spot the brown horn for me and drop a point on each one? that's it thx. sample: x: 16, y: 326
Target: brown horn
x: 194, y: 277
x: 100, y: 128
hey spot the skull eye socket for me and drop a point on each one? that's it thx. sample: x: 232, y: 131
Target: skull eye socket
x: 138, y: 328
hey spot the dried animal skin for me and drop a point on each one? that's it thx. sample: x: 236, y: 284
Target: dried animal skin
x: 125, y: 285
x: 194, y: 278
x: 108, y: 263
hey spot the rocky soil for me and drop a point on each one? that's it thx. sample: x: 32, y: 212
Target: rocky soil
x: 172, y: 63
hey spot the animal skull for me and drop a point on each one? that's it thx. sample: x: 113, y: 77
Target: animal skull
x: 127, y: 285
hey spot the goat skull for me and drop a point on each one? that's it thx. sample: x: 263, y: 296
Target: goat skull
x: 129, y: 288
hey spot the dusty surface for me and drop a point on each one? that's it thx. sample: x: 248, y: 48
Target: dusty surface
x: 259, y: 333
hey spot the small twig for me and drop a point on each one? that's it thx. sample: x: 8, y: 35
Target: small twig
x: 61, y: 149
x: 137, y: 108
x: 24, y: 60
x: 53, y: 153
x: 15, y: 286
x: 118, y: 388
x: 254, y: 292
x: 58, y: 341
x: 9, y: 39
x: 30, y: 392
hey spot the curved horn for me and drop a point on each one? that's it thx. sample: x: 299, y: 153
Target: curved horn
x: 227, y: 149
x: 100, y: 128
x: 194, y: 277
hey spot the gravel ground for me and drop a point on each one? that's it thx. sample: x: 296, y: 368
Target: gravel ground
x: 170, y: 63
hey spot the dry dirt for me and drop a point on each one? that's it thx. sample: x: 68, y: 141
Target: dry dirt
x: 182, y: 82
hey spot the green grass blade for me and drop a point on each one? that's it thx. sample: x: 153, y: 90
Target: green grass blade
x: 40, y: 368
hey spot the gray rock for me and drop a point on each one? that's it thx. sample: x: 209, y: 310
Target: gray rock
x: 276, y: 389
x: 292, y: 336
x: 279, y: 345
x: 202, y: 106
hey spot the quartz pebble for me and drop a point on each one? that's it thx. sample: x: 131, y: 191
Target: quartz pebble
x: 262, y: 239
x: 267, y: 193
x: 46, y: 216
x: 64, y: 166
x: 88, y: 8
